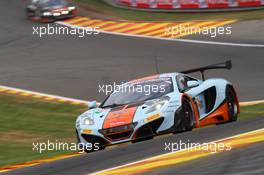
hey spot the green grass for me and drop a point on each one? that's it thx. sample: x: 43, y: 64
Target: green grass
x: 115, y: 12
x: 25, y: 120
x: 248, y: 112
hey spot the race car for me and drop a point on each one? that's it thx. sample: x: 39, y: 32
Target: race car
x: 50, y: 10
x: 158, y: 104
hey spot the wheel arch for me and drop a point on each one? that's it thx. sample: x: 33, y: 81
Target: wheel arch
x: 194, y: 107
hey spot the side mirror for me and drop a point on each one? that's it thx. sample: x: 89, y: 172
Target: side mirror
x: 192, y: 84
x: 92, y: 105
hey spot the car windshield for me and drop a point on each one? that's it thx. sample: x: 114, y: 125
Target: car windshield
x: 136, y: 92
x: 54, y: 3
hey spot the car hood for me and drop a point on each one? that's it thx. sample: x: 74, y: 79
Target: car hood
x: 119, y: 116
x: 111, y: 117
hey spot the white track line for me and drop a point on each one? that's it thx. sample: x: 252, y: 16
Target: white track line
x: 44, y: 94
x: 176, y: 40
x: 249, y: 103
x: 220, y: 140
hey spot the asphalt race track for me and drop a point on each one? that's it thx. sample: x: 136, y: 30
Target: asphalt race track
x: 240, y: 161
x: 74, y: 67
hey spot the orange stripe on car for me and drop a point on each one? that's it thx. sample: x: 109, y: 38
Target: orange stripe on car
x: 119, y: 117
x: 221, y: 111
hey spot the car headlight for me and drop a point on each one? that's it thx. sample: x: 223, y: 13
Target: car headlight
x: 88, y: 121
x: 157, y: 105
x: 71, y: 8
x: 46, y: 14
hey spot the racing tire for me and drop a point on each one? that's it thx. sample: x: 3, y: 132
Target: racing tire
x: 231, y: 104
x: 187, y: 117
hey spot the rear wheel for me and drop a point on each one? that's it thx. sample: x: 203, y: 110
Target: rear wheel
x: 186, y: 114
x: 232, y: 104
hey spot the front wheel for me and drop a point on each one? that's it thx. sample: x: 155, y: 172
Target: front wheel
x: 186, y: 115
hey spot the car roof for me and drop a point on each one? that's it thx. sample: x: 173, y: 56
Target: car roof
x: 156, y: 76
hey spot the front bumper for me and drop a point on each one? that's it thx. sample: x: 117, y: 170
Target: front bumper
x: 120, y: 134
x: 60, y: 15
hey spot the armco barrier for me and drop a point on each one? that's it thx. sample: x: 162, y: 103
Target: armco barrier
x: 189, y: 4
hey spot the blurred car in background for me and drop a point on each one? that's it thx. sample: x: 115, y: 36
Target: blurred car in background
x: 50, y: 10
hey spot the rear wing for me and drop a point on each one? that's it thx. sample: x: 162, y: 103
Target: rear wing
x: 223, y: 65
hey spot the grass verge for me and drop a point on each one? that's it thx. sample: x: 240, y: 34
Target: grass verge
x: 115, y: 12
x: 249, y: 112
x: 24, y: 121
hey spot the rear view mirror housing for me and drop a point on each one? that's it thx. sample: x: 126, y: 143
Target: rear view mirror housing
x: 92, y: 104
x: 192, y: 84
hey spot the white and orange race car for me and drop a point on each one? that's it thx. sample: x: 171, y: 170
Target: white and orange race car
x: 174, y: 102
